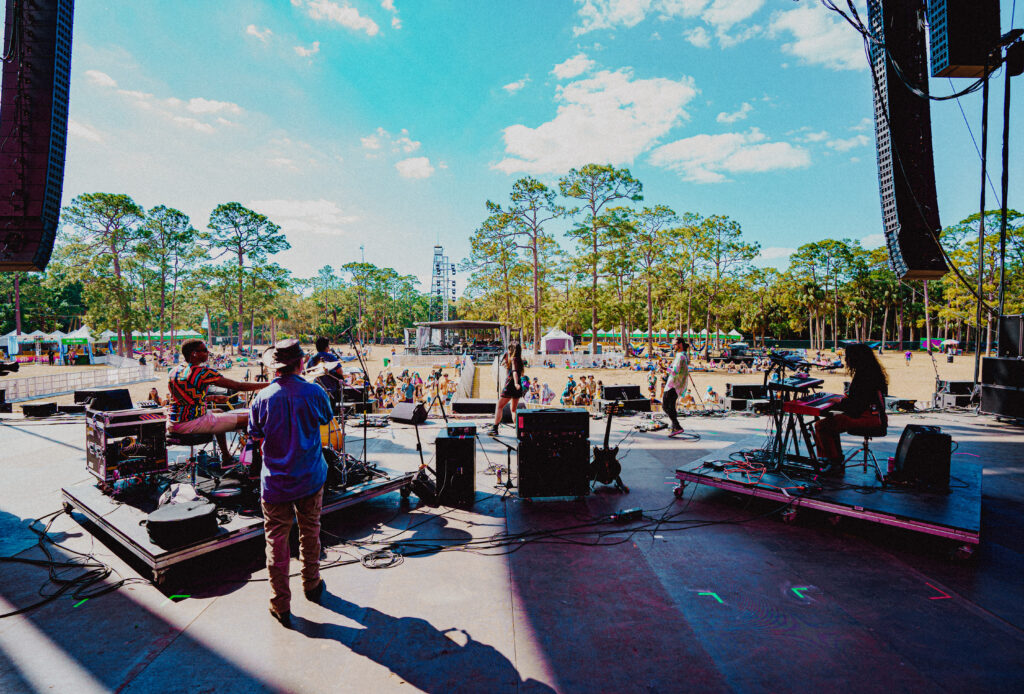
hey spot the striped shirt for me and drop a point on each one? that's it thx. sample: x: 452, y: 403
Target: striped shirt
x: 188, y: 385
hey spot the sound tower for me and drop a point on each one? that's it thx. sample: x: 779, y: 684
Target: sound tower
x: 33, y: 129
x: 903, y: 139
x: 455, y: 463
x: 554, y: 452
x: 962, y: 32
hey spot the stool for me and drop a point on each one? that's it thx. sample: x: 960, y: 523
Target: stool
x: 177, y: 438
x: 867, y: 433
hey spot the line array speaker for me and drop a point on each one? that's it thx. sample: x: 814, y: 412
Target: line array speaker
x: 962, y: 32
x: 903, y: 139
x: 33, y: 129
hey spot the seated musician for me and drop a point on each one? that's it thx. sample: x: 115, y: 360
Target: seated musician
x: 861, y: 408
x: 333, y: 382
x: 188, y: 384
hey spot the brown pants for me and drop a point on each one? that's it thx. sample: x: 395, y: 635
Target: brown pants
x: 277, y: 525
x: 827, y: 430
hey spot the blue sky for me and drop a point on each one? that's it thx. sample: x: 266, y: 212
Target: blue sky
x: 389, y: 124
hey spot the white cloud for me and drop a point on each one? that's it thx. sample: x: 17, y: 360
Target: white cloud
x: 865, y: 124
x: 742, y: 113
x: 845, y: 145
x: 343, y: 14
x: 83, y: 131
x: 872, y: 241
x: 262, y: 34
x: 305, y: 216
x: 698, y: 36
x: 283, y: 163
x: 414, y: 167
x: 573, y: 67
x: 196, y: 113
x: 608, y: 118
x: 775, y: 252
x: 389, y: 5
x: 201, y: 105
x: 708, y: 158
x: 381, y: 139
x: 820, y: 37
x: 819, y: 136
x: 513, y: 87
x: 307, y: 52
x: 101, y: 79
x: 723, y: 14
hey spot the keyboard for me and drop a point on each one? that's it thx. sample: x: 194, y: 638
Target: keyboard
x: 796, y: 384
x: 814, y: 405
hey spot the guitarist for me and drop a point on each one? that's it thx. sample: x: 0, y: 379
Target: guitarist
x: 675, y: 385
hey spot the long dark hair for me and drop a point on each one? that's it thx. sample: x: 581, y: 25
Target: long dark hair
x: 515, y: 358
x: 860, y: 359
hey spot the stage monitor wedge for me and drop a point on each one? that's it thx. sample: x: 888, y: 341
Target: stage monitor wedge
x: 903, y: 140
x: 962, y: 32
x: 33, y: 129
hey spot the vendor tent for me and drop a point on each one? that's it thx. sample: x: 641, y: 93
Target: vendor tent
x: 556, y: 342
x: 733, y: 335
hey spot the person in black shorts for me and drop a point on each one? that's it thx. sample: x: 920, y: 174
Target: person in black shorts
x: 512, y: 361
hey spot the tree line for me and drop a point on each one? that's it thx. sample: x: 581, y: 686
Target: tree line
x: 585, y: 253
x: 630, y: 265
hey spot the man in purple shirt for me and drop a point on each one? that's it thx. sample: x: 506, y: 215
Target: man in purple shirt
x: 285, y: 418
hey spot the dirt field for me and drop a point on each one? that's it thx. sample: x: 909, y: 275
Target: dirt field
x: 914, y: 381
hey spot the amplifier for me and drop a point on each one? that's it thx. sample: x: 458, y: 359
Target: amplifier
x: 944, y: 400
x: 554, y: 453
x: 759, y: 406
x: 634, y: 404
x: 732, y: 403
x: 1011, y: 336
x: 461, y: 431
x: 455, y: 463
x: 1004, y: 402
x: 1002, y: 371
x: 626, y: 392
x: 109, y: 400
x: 353, y: 394
x: 354, y: 408
x: 125, y: 443
x: 900, y: 404
x: 573, y: 419
x: 746, y: 391
x: 922, y: 457
x: 954, y: 387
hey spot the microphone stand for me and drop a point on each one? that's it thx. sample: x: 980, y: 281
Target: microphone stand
x: 366, y: 384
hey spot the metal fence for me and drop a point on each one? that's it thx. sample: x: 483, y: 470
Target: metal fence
x: 19, y: 389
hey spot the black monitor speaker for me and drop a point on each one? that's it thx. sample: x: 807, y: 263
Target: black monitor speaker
x: 923, y: 456
x: 109, y: 400
x: 409, y: 413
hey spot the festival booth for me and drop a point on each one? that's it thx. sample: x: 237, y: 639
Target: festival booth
x: 443, y: 342
x: 556, y: 342
x: 76, y: 347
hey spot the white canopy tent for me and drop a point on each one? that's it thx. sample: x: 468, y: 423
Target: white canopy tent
x: 556, y: 342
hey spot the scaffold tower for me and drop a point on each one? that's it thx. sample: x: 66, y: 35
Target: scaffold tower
x: 442, y: 285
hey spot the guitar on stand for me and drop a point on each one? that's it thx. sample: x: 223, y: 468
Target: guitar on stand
x: 606, y: 467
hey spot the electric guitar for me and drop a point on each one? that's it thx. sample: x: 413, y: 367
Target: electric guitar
x: 606, y: 468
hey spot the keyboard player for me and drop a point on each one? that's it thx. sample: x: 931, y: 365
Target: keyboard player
x: 861, y: 408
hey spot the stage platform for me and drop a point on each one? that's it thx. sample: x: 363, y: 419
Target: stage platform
x: 122, y: 522
x: 855, y: 494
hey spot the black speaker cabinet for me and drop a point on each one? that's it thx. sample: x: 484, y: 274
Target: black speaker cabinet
x: 1002, y: 371
x: 1011, y: 336
x: 626, y: 392
x: 33, y: 129
x: 962, y: 32
x: 746, y: 391
x: 554, y: 453
x: 455, y: 464
x: 41, y: 409
x: 922, y: 457
x: 630, y: 405
x: 409, y: 413
x: 903, y: 140
x: 110, y: 400
x: 954, y: 387
x: 1004, y: 402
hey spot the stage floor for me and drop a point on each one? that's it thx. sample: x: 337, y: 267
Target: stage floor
x: 710, y: 592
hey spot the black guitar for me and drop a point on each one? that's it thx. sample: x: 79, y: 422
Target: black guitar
x: 606, y: 468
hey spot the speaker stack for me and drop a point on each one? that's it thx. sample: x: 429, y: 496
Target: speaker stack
x: 455, y: 463
x: 554, y: 452
x: 629, y: 396
x: 744, y: 396
x: 33, y: 129
x: 1002, y: 377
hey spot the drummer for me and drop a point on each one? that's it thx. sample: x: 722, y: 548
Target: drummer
x: 188, y: 384
x: 332, y: 365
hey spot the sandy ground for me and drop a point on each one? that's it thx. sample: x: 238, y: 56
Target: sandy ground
x: 912, y: 381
